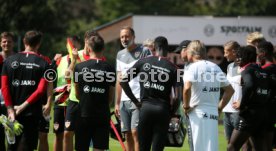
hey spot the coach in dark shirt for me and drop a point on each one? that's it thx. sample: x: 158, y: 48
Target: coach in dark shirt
x: 157, y: 77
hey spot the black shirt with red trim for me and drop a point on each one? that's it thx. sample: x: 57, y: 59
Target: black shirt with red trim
x: 255, y: 90
x: 270, y: 69
x: 23, y: 80
x: 94, y: 78
x: 157, y: 76
x: 48, y: 60
x: 51, y: 66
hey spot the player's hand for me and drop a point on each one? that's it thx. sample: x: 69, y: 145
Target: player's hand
x: 20, y: 108
x: 68, y: 74
x: 236, y: 105
x: 75, y: 54
x: 57, y: 56
x: 11, y: 114
x: 46, y: 109
x: 117, y: 110
x: 187, y: 109
x: 138, y: 105
x: 68, y: 87
x: 120, y: 77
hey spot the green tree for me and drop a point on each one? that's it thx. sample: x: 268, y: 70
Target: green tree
x: 58, y: 19
x: 48, y: 17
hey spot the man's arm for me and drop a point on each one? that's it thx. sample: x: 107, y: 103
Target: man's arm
x: 77, y: 91
x: 228, y: 92
x: 174, y: 100
x: 131, y: 74
x: 76, y: 84
x: 247, y: 88
x: 34, y: 96
x: 187, y: 96
x: 118, y: 94
x: 7, y: 97
x: 72, y: 64
x: 47, y: 107
x: 111, y: 94
x: 127, y: 90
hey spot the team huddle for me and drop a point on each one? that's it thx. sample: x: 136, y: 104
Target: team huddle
x: 146, y: 88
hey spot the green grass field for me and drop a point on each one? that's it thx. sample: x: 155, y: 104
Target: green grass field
x: 115, y: 145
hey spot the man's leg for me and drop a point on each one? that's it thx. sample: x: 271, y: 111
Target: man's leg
x: 134, y: 126
x: 160, y: 128
x: 126, y: 124
x: 228, y: 127
x: 2, y: 138
x: 43, y: 141
x: 145, y: 128
x: 100, y: 134
x: 58, y: 142
x: 68, y: 140
x: 43, y: 134
x: 2, y: 132
x: 135, y: 139
x: 70, y: 121
x: 83, y: 133
x: 238, y: 138
x: 28, y: 140
x: 129, y: 141
x: 59, y: 127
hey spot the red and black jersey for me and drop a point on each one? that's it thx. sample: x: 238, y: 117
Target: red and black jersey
x: 270, y: 69
x: 255, y: 90
x: 94, y: 78
x: 48, y: 60
x: 23, y: 80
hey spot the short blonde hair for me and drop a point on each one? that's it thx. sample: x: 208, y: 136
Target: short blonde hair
x: 254, y: 37
x: 148, y: 42
x: 197, y: 48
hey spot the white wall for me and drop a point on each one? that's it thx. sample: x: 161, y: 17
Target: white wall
x: 210, y: 30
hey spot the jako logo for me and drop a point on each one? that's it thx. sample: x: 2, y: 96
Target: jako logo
x: 154, y: 86
x: 16, y: 82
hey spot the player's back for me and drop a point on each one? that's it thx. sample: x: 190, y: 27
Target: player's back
x: 157, y: 77
x: 94, y: 77
x: 271, y: 71
x: 255, y: 86
x: 24, y: 71
x: 207, y: 79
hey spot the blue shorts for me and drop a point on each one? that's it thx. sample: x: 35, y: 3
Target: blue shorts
x: 129, y: 116
x: 229, y: 122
